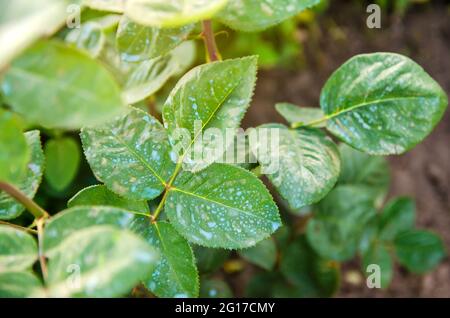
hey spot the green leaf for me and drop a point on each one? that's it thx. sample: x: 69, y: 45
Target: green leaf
x: 379, y: 255
x: 301, y: 115
x: 252, y: 16
x: 29, y: 183
x: 263, y: 254
x: 261, y: 285
x: 19, y: 285
x: 14, y: 152
x: 72, y: 220
x: 214, y: 95
x: 100, y: 195
x: 398, y: 216
x: 312, y: 276
x: 62, y: 156
x: 302, y: 164
x: 175, y: 274
x: 146, y: 78
x: 209, y: 260
x: 89, y: 37
x: 99, y: 261
x: 130, y: 155
x: 360, y: 169
x: 175, y: 13
x: 60, y: 87
x: 382, y: 103
x: 137, y: 43
x: 339, y: 222
x: 215, y: 288
x: 419, y: 251
x: 22, y: 22
x: 18, y: 249
x: 106, y: 5
x: 222, y: 206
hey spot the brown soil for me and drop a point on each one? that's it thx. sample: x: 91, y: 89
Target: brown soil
x: 423, y: 173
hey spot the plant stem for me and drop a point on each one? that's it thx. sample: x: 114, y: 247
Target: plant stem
x: 40, y: 231
x: 166, y: 191
x: 210, y: 42
x: 19, y: 227
x: 29, y: 204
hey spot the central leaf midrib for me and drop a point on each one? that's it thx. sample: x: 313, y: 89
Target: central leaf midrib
x: 211, y: 116
x: 377, y: 101
x: 141, y: 159
x: 216, y: 202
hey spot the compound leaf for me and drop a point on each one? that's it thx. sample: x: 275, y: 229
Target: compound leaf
x: 382, y: 103
x: 175, y: 274
x: 222, y: 206
x: 130, y: 155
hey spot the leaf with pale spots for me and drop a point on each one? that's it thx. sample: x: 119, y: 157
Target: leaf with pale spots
x: 175, y: 274
x: 138, y: 43
x: 303, y: 165
x: 253, y: 16
x: 222, y: 206
x: 29, y: 183
x: 18, y: 249
x: 131, y: 155
x: 100, y: 195
x: 211, y: 98
x: 174, y: 13
x: 99, y: 261
x: 77, y: 218
x: 382, y: 103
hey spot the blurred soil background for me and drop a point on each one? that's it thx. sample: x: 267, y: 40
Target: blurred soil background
x: 335, y: 35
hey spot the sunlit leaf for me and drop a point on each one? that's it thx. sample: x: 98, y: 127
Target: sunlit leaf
x: 222, y: 206
x: 130, y: 155
x: 301, y: 115
x: 175, y: 274
x: 60, y: 87
x: 382, y: 103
